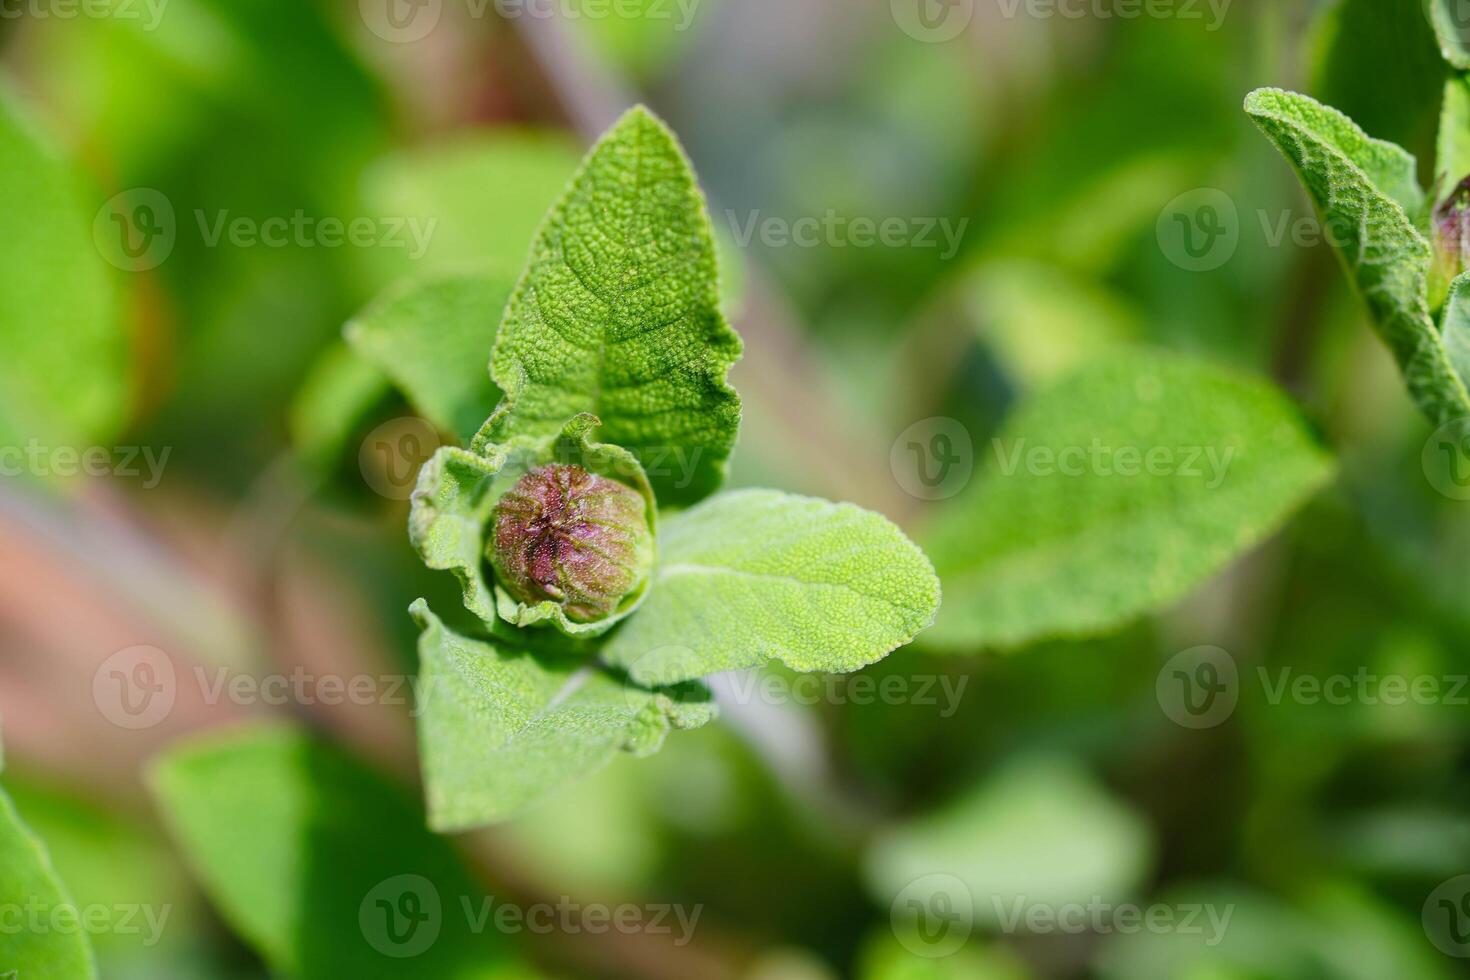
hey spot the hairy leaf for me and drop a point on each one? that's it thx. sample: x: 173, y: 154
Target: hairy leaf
x: 1113, y: 494
x: 501, y: 727
x: 433, y: 337
x: 1366, y: 192
x: 62, y: 373
x: 754, y: 575
x: 618, y: 315
x: 1455, y: 325
x: 323, y: 868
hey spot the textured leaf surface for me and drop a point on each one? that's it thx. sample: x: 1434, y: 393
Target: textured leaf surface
x: 1456, y: 326
x: 62, y: 370
x: 1365, y: 190
x: 456, y: 495
x: 27, y: 881
x: 502, y: 727
x: 1063, y: 536
x: 433, y: 338
x: 618, y: 315
x: 304, y: 852
x: 754, y: 575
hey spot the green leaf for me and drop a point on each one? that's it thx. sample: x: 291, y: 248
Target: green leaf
x: 1451, y: 24
x: 338, y: 392
x: 485, y: 193
x: 1452, y: 158
x: 618, y: 315
x: 433, y: 337
x: 1063, y: 537
x: 62, y: 374
x: 456, y: 495
x: 1040, y: 833
x: 502, y: 726
x: 307, y: 854
x: 1455, y: 325
x: 30, y: 887
x: 754, y: 575
x: 1367, y: 194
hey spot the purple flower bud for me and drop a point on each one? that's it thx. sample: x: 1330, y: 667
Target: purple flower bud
x: 1452, y: 231
x: 572, y: 537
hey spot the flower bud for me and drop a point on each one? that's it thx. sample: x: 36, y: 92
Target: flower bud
x: 572, y: 537
x: 1452, y: 241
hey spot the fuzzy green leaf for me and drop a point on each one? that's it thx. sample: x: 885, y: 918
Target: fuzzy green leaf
x: 1455, y: 325
x: 28, y: 882
x: 1062, y: 536
x: 618, y: 315
x: 306, y: 854
x: 62, y: 374
x: 433, y: 338
x: 455, y: 498
x: 1366, y: 192
x: 754, y: 575
x: 501, y: 727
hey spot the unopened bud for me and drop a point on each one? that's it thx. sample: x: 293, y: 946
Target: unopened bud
x: 572, y: 537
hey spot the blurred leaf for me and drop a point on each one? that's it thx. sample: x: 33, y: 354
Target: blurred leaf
x: 1044, y: 322
x: 753, y: 575
x: 1452, y: 156
x: 433, y: 337
x: 1367, y: 192
x: 484, y: 192
x: 642, y: 37
x: 58, y: 948
x: 618, y: 314
x: 886, y: 957
x: 1041, y: 833
x: 63, y: 371
x: 327, y: 871
x: 1452, y: 28
x: 502, y: 726
x: 1057, y: 540
x: 1378, y: 62
x: 340, y: 390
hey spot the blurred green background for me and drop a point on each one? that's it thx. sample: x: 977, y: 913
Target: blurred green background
x: 1050, y: 149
